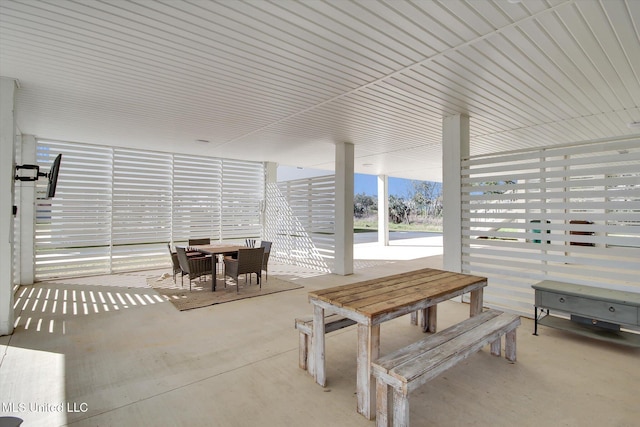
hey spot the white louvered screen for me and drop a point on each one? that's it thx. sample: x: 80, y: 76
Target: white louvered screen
x: 300, y: 220
x: 73, y: 230
x: 116, y: 209
x: 242, y: 200
x: 141, y: 215
x: 569, y: 214
x: 197, y: 184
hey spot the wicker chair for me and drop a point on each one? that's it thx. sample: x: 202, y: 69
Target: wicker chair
x: 193, y: 266
x: 265, y: 260
x: 249, y: 261
x: 195, y: 242
x: 175, y: 262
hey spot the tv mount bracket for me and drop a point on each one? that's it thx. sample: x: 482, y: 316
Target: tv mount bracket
x: 38, y: 174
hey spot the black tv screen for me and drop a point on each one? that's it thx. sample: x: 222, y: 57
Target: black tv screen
x: 53, y: 177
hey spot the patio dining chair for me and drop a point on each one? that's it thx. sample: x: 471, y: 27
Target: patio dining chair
x: 195, y: 267
x: 195, y: 242
x: 249, y: 262
x: 265, y: 260
x: 175, y: 262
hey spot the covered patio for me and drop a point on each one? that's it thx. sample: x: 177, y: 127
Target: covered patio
x: 236, y: 364
x: 173, y: 117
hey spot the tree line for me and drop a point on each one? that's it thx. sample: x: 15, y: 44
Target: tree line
x: 422, y: 201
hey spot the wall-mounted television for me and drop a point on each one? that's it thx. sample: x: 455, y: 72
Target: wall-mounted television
x: 53, y: 177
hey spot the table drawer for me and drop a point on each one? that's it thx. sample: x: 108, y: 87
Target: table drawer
x: 592, y: 308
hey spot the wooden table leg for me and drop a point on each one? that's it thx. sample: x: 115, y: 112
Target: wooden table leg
x: 476, y: 302
x: 317, y: 346
x: 368, y: 351
x: 430, y: 319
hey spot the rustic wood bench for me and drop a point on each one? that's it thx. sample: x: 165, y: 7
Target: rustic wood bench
x: 332, y: 322
x: 410, y: 367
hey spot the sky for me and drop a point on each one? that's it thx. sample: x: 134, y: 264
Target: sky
x: 368, y: 184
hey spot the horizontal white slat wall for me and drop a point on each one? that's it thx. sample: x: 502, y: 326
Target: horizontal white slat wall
x: 197, y: 192
x: 242, y: 200
x: 116, y: 209
x: 300, y: 220
x: 141, y: 209
x: 73, y: 230
x: 569, y: 213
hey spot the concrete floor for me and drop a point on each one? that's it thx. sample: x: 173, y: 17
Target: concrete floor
x: 120, y: 356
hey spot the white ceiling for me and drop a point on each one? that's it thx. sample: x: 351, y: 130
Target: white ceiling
x: 284, y: 80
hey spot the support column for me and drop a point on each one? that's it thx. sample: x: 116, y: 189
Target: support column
x: 455, y: 147
x: 383, y: 210
x: 344, y: 209
x: 270, y: 197
x: 7, y: 154
x: 27, y: 215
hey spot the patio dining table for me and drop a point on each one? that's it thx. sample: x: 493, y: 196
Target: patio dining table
x: 372, y: 302
x: 214, y: 250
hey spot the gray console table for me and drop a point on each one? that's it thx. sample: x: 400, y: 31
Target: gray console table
x: 594, y: 312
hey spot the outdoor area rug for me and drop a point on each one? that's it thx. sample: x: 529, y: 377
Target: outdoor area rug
x: 201, y: 295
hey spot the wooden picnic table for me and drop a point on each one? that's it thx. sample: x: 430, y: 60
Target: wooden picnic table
x: 372, y: 302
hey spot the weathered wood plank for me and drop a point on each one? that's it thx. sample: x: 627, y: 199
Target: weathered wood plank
x: 403, y: 355
x: 476, y: 302
x: 304, y: 341
x: 382, y: 404
x: 434, y: 285
x: 383, y: 316
x: 375, y: 300
x: 431, y: 319
x: 318, y: 346
x: 428, y: 318
x: 348, y: 294
x: 337, y: 290
x: 400, y: 409
x: 389, y: 300
x: 383, y: 295
x: 414, y: 318
x: 362, y: 295
x: 304, y: 325
x: 332, y: 322
x: 510, y: 346
x: 422, y: 368
x: 410, y: 367
x: 342, y: 311
x: 368, y: 351
x: 496, y: 347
